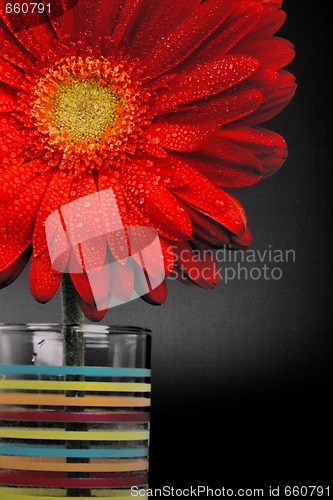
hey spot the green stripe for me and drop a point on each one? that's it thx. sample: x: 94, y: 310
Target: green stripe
x: 88, y: 371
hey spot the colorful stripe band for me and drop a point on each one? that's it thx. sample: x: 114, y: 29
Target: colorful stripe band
x: 62, y: 481
x: 50, y: 451
x: 61, y: 400
x: 13, y: 496
x: 111, y: 456
x: 33, y: 494
x: 87, y: 371
x: 57, y: 492
x: 62, y: 416
x: 60, y: 435
x: 61, y: 465
x: 45, y: 385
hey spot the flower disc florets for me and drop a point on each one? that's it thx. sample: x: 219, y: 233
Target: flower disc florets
x: 85, y: 111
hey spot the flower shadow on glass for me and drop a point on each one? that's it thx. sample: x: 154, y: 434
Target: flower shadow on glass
x: 23, y: 15
x: 78, y: 235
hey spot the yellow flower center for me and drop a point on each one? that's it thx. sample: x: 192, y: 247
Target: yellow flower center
x: 86, y: 113
x: 84, y: 109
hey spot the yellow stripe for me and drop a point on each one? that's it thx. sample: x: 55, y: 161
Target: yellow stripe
x: 61, y: 400
x: 54, y: 492
x: 44, y: 385
x: 60, y: 465
x: 102, y: 435
x: 33, y: 493
x: 118, y: 494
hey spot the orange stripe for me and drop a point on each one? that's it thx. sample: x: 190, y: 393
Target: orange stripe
x: 60, y: 465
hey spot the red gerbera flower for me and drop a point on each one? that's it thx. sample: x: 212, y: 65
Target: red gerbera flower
x: 159, y: 100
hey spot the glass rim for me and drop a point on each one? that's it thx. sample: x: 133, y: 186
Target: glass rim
x: 87, y: 328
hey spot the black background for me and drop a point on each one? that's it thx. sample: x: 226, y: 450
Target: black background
x: 242, y: 374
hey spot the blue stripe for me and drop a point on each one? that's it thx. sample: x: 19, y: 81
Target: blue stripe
x: 88, y: 371
x: 47, y: 451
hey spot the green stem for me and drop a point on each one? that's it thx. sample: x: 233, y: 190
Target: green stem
x: 72, y: 314
x: 74, y: 355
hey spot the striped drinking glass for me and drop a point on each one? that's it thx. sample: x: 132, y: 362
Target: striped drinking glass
x: 74, y: 414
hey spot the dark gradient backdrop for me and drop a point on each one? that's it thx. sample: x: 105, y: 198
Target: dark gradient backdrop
x: 244, y: 371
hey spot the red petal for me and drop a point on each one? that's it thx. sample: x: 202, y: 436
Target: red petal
x: 162, y: 14
x: 95, y: 16
x: 182, y: 138
x: 276, y: 103
x: 122, y: 280
x: 10, y: 75
x: 125, y: 19
x: 36, y: 37
x: 98, y: 17
x: 272, y: 164
x: 232, y: 105
x: 8, y: 100
x: 243, y: 240
x: 232, y: 217
x: 93, y: 288
x: 44, y: 279
x: 83, y: 287
x: 149, y: 147
x: 180, y: 42
x: 275, y: 3
x: 198, y: 191
x: 265, y: 80
x: 13, y: 51
x: 257, y: 140
x: 163, y: 168
x: 116, y: 235
x: 226, y: 164
x: 199, y: 267
x: 17, y: 220
x: 90, y: 233
x: 14, y: 270
x: 157, y: 296
x: 91, y: 312
x: 9, y: 124
x: 66, y: 24
x: 205, y: 80
x: 56, y: 196
x: 270, y: 23
x: 207, y: 230
x: 269, y: 147
x: 16, y: 177
x: 242, y: 19
x: 106, y: 15
x: 155, y: 264
x: 156, y: 206
x: 13, y: 145
x: 274, y: 53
